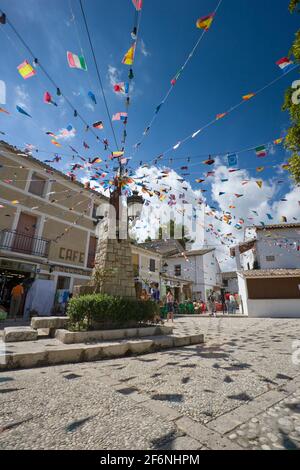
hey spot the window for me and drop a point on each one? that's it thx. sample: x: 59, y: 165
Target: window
x: 63, y: 282
x: 37, y: 185
x: 152, y: 265
x: 177, y: 270
x: 92, y: 252
x: 270, y: 258
x: 95, y: 208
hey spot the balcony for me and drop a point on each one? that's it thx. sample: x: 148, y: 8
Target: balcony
x: 21, y: 243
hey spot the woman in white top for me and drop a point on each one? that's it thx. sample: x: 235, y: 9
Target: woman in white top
x: 170, y: 306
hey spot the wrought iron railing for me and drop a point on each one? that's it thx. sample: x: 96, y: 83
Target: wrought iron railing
x: 22, y: 243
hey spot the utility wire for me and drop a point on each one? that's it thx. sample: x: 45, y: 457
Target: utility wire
x: 28, y: 48
x: 98, y: 73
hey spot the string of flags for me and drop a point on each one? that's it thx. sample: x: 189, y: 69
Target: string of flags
x: 245, y: 99
x: 203, y: 23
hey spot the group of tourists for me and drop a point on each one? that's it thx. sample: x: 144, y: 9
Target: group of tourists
x: 228, y: 302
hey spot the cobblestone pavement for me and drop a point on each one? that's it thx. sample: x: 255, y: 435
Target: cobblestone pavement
x: 238, y: 390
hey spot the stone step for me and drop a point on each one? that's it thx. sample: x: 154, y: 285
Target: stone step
x: 47, y: 354
x: 13, y: 334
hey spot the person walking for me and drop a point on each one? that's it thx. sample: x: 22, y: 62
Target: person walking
x: 212, y: 304
x: 227, y: 301
x: 170, y: 306
x: 232, y: 304
x: 15, y: 301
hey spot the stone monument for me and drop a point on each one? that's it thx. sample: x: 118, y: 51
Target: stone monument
x: 113, y: 272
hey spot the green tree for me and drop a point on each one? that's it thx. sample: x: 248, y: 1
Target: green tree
x: 292, y: 140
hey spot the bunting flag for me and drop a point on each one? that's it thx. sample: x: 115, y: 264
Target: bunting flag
x: 2, y: 110
x: 260, y: 169
x: 129, y: 56
x: 232, y: 159
x: 22, y: 111
x: 248, y: 97
x: 119, y: 117
x: 54, y: 142
x: 138, y: 4
x: 285, y: 64
x: 121, y: 88
x: 26, y: 70
x: 259, y: 183
x: 76, y: 61
x: 199, y: 181
x: 98, y: 125
x: 278, y: 141
x: 261, y: 151
x: 86, y: 146
x: 48, y: 99
x: 117, y: 154
x: 220, y: 116
x: 210, y: 161
x: 205, y: 22
x: 92, y: 97
x: 283, y: 219
x: 269, y: 217
x: 95, y: 160
x: 176, y: 146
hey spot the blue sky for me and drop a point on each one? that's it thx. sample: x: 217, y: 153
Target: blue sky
x: 237, y: 56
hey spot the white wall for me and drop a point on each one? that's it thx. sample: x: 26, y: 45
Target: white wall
x: 243, y: 292
x: 202, y: 270
x: 269, y: 308
x: 233, y: 285
x: 282, y: 244
x: 272, y: 308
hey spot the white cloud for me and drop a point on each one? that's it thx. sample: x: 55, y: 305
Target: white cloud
x: 218, y: 233
x: 144, y: 50
x: 113, y: 75
x: 64, y: 134
x: 89, y: 105
x: 22, y: 98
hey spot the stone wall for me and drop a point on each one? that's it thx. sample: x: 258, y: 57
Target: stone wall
x: 114, y: 259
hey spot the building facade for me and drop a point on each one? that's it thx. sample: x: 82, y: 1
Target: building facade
x: 269, y: 271
x: 200, y: 268
x: 47, y: 224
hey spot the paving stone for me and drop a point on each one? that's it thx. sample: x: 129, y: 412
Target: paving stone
x: 108, y: 404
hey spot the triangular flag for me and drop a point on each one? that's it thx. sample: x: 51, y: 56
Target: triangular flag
x: 129, y: 56
x: 205, y: 22
x: 138, y: 4
x: 248, y: 97
x: 259, y: 183
x: 22, y: 111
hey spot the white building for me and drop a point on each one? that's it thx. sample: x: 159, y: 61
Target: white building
x: 269, y: 271
x: 274, y: 246
x: 230, y: 282
x: 200, y: 267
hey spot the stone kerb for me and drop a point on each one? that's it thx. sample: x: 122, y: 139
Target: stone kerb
x: 73, y: 337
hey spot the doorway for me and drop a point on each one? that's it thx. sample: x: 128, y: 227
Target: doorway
x: 25, y: 232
